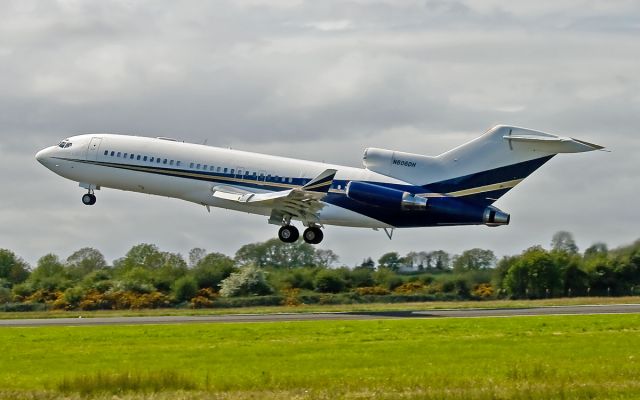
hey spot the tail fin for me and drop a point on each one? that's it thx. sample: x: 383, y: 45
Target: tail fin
x: 481, y: 170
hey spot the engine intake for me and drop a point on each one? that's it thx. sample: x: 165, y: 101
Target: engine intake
x: 380, y: 196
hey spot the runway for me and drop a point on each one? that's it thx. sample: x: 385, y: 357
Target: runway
x: 329, y: 316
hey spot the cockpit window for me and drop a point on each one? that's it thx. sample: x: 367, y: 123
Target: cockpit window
x: 64, y: 144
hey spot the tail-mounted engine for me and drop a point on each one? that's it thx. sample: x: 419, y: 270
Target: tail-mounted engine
x: 380, y: 196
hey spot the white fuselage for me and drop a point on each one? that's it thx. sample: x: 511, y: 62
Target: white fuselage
x: 128, y: 163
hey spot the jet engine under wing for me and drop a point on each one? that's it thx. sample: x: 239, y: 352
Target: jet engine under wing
x: 302, y: 203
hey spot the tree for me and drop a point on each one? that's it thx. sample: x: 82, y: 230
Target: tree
x: 49, y: 274
x: 249, y: 281
x: 391, y: 261
x: 211, y: 270
x: 196, y: 255
x: 368, y: 263
x: 419, y: 260
x: 563, y: 241
x: 533, y: 274
x: 277, y: 254
x: 329, y: 281
x: 326, y: 258
x: 474, y: 260
x: 185, y: 288
x: 439, y: 259
x: 595, y: 250
x: 12, y: 268
x: 143, y: 255
x: 84, y: 261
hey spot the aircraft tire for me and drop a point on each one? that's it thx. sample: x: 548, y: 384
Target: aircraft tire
x: 88, y: 199
x: 288, y: 234
x: 313, y: 235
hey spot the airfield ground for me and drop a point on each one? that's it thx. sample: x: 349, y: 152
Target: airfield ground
x: 314, y: 308
x: 578, y: 356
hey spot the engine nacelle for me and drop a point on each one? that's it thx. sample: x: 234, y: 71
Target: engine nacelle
x: 494, y: 217
x: 380, y: 196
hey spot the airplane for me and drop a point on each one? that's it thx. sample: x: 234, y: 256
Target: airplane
x: 394, y: 189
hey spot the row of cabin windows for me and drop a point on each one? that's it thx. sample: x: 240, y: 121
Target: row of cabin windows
x: 157, y: 160
x: 203, y: 167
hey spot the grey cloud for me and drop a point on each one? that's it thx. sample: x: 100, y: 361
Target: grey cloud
x: 319, y: 80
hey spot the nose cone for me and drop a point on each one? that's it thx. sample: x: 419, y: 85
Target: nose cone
x: 43, y: 155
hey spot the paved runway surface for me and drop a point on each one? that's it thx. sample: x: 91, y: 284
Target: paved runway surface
x: 344, y: 316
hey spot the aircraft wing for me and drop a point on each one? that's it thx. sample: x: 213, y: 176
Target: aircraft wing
x: 302, y: 202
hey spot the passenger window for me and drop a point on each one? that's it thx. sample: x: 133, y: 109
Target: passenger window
x: 113, y: 153
x: 151, y: 159
x: 164, y: 161
x: 125, y: 155
x: 171, y: 162
x: 232, y: 170
x: 197, y: 166
x: 218, y: 169
x: 212, y: 168
x: 225, y: 170
x: 106, y: 152
x: 132, y: 155
x: 158, y: 160
x: 178, y: 163
x: 204, y: 167
x: 138, y: 158
x: 118, y: 154
x: 145, y: 158
x: 191, y: 165
x: 290, y: 180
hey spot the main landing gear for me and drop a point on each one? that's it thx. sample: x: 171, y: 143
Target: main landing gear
x: 311, y: 235
x: 89, y: 199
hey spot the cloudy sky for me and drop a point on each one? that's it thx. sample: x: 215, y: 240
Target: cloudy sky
x: 320, y: 80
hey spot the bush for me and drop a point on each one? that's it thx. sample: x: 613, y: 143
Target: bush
x: 5, y: 295
x: 483, y: 291
x: 185, y: 288
x: 204, y: 298
x: 329, y: 281
x: 249, y: 281
x: 410, y: 288
x: 372, y: 291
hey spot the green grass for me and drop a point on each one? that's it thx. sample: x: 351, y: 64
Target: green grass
x: 584, y: 357
x: 329, y: 308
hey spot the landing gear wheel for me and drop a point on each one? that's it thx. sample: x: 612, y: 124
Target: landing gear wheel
x: 89, y: 199
x: 313, y: 235
x: 288, y: 234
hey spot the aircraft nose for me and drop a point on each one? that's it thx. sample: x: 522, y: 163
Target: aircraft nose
x: 43, y: 154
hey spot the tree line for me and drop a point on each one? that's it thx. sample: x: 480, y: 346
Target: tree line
x: 273, y: 272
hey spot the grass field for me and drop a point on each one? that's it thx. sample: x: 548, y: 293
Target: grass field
x: 583, y: 357
x: 431, y: 305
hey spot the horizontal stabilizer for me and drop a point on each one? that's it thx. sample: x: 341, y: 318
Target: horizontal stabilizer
x: 553, y: 144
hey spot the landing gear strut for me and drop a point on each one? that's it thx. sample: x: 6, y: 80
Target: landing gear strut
x: 313, y: 235
x: 288, y: 233
x: 89, y: 199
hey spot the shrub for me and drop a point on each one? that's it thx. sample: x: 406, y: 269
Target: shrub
x: 372, y: 291
x: 292, y: 297
x: 483, y: 291
x: 204, y: 298
x: 410, y: 288
x: 185, y: 288
x: 329, y: 281
x: 248, y: 281
x: 5, y: 295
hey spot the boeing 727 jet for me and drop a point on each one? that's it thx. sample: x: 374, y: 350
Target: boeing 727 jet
x: 394, y: 189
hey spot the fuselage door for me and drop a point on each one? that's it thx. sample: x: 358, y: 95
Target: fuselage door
x: 94, y: 148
